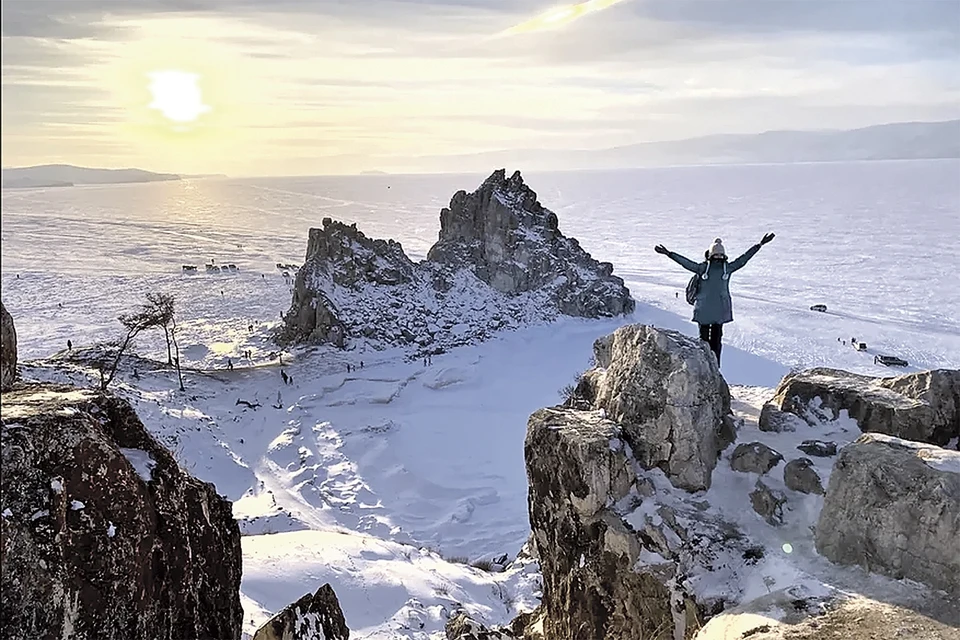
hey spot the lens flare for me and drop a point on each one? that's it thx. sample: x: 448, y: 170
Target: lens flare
x: 176, y: 95
x: 559, y: 17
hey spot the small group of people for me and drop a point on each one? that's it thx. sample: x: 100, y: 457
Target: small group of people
x: 287, y: 378
x: 713, y: 306
x: 428, y: 360
x: 353, y: 367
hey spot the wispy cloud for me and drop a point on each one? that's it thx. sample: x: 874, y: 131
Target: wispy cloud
x: 305, y: 85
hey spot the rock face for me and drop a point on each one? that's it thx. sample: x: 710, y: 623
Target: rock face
x: 315, y: 616
x: 923, y: 406
x: 103, y: 535
x: 615, y: 536
x: 666, y: 392
x: 501, y: 261
x: 893, y: 507
x: 8, y: 358
x: 503, y: 233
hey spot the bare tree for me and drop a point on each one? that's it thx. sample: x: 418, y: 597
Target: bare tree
x: 146, y: 317
x: 163, y: 305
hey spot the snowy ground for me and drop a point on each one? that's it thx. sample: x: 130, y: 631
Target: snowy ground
x: 361, y: 478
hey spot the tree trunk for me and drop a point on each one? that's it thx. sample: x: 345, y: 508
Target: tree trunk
x: 105, y: 382
x: 176, y: 347
x: 166, y: 334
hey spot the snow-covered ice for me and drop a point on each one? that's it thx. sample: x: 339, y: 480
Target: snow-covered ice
x: 369, y: 479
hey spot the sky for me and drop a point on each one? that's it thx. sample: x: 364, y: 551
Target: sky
x: 294, y: 87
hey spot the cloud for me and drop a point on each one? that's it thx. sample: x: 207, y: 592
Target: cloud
x: 420, y: 77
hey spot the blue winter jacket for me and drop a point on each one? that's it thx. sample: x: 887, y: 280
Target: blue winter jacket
x: 713, y: 305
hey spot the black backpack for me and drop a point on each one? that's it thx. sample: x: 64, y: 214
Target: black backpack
x: 693, y: 287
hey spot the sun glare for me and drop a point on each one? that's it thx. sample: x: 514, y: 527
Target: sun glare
x: 560, y: 16
x: 176, y: 95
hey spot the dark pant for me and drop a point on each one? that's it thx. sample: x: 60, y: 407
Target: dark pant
x: 713, y: 334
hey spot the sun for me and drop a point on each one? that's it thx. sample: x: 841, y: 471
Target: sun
x: 176, y: 95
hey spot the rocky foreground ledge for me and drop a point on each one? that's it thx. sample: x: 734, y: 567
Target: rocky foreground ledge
x: 656, y: 515
x: 500, y: 262
x: 104, y: 536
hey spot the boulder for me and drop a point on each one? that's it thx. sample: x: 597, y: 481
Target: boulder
x: 104, y: 536
x: 754, y: 457
x: 665, y: 390
x: 772, y: 419
x: 922, y: 406
x: 800, y: 475
x: 461, y: 626
x: 500, y: 261
x: 618, y: 530
x: 315, y: 616
x: 818, y: 448
x: 768, y: 503
x: 893, y: 507
x: 8, y: 350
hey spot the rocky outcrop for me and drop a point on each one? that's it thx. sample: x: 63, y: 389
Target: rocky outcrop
x: 315, y: 616
x: 501, y: 261
x: 616, y: 524
x: 664, y: 389
x: 923, y: 406
x: 503, y: 233
x: 893, y: 507
x: 8, y: 357
x: 103, y: 535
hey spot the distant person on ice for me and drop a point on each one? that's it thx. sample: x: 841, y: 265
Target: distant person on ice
x: 713, y: 307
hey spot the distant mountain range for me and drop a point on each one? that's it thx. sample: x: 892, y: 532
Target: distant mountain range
x: 65, y: 175
x: 898, y: 141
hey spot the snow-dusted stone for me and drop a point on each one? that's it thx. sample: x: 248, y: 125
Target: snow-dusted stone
x: 772, y: 419
x: 754, y: 457
x: 665, y: 390
x: 618, y: 530
x: 461, y: 626
x: 768, y: 503
x: 893, y: 507
x: 501, y: 261
x: 94, y: 548
x: 8, y: 355
x: 818, y: 448
x: 923, y: 406
x: 577, y: 466
x: 315, y: 616
x: 800, y: 475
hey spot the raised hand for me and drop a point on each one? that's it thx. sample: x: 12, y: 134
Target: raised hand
x: 767, y: 238
x: 661, y: 249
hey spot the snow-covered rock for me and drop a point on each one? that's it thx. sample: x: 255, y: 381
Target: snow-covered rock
x: 923, y: 406
x: 754, y: 457
x: 501, y: 261
x: 93, y: 550
x: 665, y: 389
x: 801, y: 475
x: 893, y: 506
x: 315, y: 616
x: 618, y: 531
x: 8, y: 356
